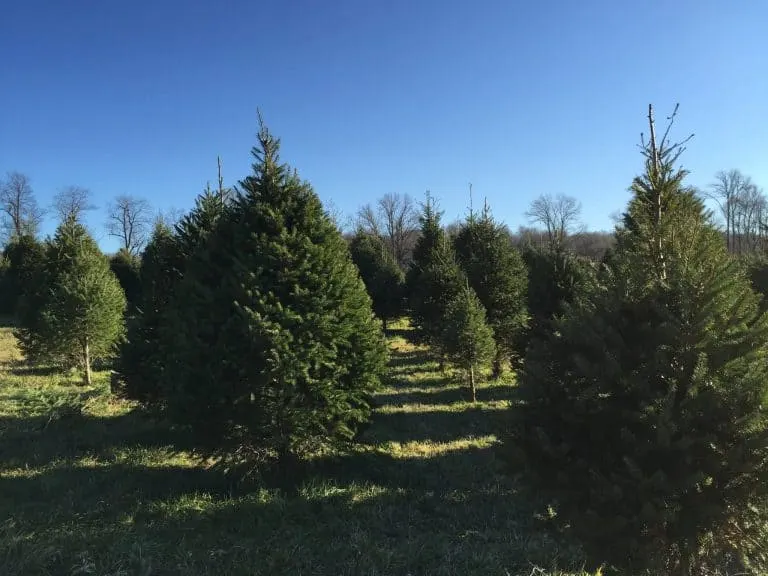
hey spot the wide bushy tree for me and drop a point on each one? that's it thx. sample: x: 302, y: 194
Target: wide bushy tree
x: 644, y: 414
x: 277, y: 347
x: 81, y: 314
x: 467, y: 339
x: 498, y: 276
x: 382, y: 276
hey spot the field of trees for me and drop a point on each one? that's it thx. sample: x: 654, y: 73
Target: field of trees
x: 263, y: 386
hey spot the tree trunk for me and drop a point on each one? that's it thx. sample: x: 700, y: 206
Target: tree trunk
x: 472, y: 387
x: 87, y: 361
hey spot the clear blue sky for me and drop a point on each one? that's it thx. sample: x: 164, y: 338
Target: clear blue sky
x: 519, y: 98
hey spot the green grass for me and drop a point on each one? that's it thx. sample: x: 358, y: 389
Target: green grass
x: 92, y: 485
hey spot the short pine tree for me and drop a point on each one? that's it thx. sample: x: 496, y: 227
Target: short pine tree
x: 278, y: 347
x: 644, y: 411
x: 467, y: 339
x: 498, y: 276
x: 81, y: 317
x: 381, y: 275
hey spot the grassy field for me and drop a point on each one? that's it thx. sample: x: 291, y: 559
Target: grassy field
x: 91, y: 485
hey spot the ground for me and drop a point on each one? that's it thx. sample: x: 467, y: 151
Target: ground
x: 90, y: 484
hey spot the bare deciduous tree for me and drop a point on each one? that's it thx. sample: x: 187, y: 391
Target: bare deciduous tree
x: 19, y: 209
x: 169, y: 217
x: 129, y: 220
x: 744, y: 209
x: 559, y: 215
x: 71, y: 202
x: 395, y: 221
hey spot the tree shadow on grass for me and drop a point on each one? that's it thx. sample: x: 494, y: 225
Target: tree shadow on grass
x: 359, y: 514
x: 433, y: 425
x: 437, y: 395
x: 35, y: 441
x: 20, y: 368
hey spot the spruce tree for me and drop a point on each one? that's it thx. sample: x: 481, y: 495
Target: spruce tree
x: 498, y: 276
x: 556, y: 278
x: 125, y: 266
x: 25, y: 259
x: 467, y: 339
x: 278, y: 347
x: 81, y: 317
x: 644, y: 411
x: 381, y: 275
x: 150, y: 349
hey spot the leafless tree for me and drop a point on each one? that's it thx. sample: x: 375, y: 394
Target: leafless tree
x: 18, y: 207
x: 725, y: 191
x: 169, y: 217
x: 71, y: 202
x: 744, y: 208
x: 559, y: 215
x: 395, y: 221
x: 129, y: 220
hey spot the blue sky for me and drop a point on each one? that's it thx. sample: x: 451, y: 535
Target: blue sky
x: 519, y: 98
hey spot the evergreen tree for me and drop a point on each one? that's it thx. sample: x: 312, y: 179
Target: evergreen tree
x: 125, y: 266
x: 498, y: 276
x: 467, y: 339
x: 24, y: 257
x: 556, y: 278
x: 381, y: 275
x: 278, y: 348
x: 81, y: 316
x: 150, y: 348
x: 643, y: 416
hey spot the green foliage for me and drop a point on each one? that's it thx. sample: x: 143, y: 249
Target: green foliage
x: 151, y: 342
x: 381, y: 275
x: 277, y: 348
x: 125, y: 266
x: 643, y: 417
x: 80, y: 317
x: 757, y: 271
x: 498, y: 276
x: 23, y: 260
x: 467, y: 339
x: 556, y: 278
x: 434, y: 278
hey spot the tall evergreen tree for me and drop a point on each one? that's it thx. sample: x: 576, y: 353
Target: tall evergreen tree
x: 279, y: 348
x: 25, y: 259
x: 81, y: 316
x: 498, y: 276
x: 467, y: 339
x: 381, y: 275
x: 644, y: 414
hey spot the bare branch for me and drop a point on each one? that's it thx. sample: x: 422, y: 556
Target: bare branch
x: 71, y: 202
x: 18, y: 207
x: 558, y: 215
x: 129, y: 220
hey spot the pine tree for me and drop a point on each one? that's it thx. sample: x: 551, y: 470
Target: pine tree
x: 556, y: 278
x: 434, y: 277
x: 643, y: 415
x: 25, y: 257
x: 498, y: 276
x: 81, y: 317
x: 149, y: 352
x: 278, y: 346
x: 125, y: 266
x: 381, y: 275
x: 467, y: 339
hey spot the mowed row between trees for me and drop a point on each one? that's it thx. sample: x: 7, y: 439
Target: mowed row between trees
x: 465, y: 405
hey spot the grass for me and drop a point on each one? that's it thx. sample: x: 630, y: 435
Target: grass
x: 91, y: 485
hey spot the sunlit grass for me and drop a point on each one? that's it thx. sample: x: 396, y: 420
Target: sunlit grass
x: 93, y: 485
